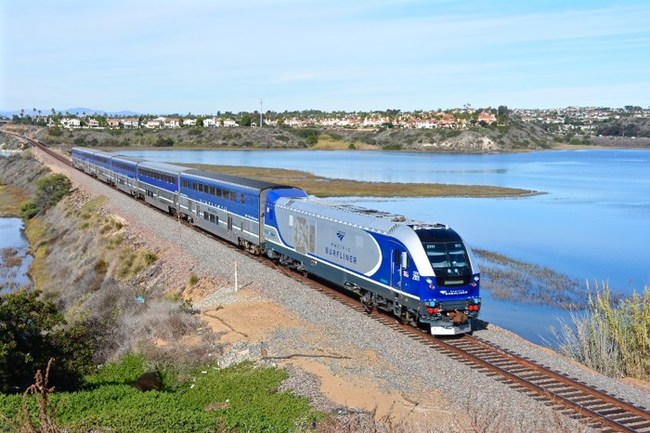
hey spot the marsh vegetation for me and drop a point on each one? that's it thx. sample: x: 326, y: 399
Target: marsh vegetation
x: 613, y: 337
x: 326, y: 187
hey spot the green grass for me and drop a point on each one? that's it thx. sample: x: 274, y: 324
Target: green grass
x: 238, y: 398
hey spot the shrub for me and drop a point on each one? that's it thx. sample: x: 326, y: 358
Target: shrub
x: 613, y: 338
x: 34, y: 331
x: 55, y: 131
x: 28, y: 210
x: 164, y: 142
x: 49, y: 191
x: 149, y: 258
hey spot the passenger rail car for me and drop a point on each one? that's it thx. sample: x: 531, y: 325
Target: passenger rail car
x: 230, y: 207
x: 422, y: 273
x: 125, y: 175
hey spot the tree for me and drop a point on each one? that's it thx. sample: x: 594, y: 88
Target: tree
x: 246, y: 120
x: 33, y: 331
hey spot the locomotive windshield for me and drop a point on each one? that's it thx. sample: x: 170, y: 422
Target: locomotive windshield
x: 448, y: 258
x: 446, y: 252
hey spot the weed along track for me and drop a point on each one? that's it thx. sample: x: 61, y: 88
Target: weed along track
x: 592, y: 407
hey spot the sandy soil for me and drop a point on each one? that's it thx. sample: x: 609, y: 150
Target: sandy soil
x: 231, y: 320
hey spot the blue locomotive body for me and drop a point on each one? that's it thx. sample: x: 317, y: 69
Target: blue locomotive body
x: 422, y: 273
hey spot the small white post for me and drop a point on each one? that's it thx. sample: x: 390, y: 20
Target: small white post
x: 236, y: 284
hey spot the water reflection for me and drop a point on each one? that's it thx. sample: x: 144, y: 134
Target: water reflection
x: 14, y: 257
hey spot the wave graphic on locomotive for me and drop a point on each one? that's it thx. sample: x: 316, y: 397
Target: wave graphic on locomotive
x: 422, y: 273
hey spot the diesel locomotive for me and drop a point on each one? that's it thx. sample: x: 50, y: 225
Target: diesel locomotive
x: 423, y: 273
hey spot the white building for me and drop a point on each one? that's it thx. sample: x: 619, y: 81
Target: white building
x: 70, y: 123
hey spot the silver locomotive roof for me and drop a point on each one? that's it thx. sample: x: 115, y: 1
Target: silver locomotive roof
x: 355, y: 216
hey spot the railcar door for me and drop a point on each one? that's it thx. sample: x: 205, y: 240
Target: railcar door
x: 396, y: 269
x: 400, y: 272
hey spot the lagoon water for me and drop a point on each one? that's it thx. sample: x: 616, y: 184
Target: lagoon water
x: 592, y: 221
x: 12, y: 236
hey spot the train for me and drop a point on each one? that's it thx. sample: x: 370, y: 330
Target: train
x: 423, y: 273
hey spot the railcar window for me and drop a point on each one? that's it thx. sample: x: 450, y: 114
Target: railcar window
x: 241, y: 198
x: 205, y: 215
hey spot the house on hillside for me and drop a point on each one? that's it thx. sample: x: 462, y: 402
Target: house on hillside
x: 426, y: 124
x: 172, y: 123
x: 487, y: 118
x: 70, y: 123
x: 130, y: 123
x: 158, y: 122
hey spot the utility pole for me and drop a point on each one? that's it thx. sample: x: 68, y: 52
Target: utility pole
x: 261, y: 102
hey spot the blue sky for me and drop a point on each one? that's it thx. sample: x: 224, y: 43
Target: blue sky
x: 205, y: 56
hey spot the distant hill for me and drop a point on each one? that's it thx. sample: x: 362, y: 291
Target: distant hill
x: 476, y: 140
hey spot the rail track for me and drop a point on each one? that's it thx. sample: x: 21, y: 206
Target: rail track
x: 593, y: 407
